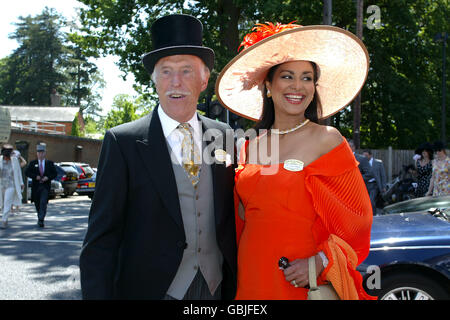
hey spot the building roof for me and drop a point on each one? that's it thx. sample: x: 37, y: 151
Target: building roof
x: 36, y: 113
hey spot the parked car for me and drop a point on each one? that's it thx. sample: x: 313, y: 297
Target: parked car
x: 88, y: 171
x: 412, y: 252
x: 68, y: 176
x: 84, y: 170
x: 56, y: 189
x: 87, y: 186
x: 419, y: 204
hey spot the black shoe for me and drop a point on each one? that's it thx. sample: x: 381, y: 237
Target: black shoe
x: 41, y: 224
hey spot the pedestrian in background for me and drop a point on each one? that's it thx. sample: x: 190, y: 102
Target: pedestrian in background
x: 377, y: 184
x: 440, y: 182
x: 424, y: 168
x: 15, y: 207
x: 363, y: 166
x: 42, y: 172
x: 11, y: 182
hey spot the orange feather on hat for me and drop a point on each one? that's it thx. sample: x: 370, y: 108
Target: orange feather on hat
x: 262, y: 31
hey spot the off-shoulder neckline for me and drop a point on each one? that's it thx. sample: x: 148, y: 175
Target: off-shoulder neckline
x: 324, y: 156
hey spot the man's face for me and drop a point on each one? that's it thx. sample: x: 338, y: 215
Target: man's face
x: 179, y: 80
x: 41, y: 155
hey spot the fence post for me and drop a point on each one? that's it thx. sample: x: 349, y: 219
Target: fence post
x: 390, y: 164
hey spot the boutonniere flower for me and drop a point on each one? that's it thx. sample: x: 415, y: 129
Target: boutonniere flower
x: 222, y: 156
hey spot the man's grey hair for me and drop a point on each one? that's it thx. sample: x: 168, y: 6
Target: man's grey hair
x: 205, y: 73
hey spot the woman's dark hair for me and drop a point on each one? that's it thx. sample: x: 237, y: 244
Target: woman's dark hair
x: 439, y: 146
x: 430, y: 154
x: 6, y: 150
x: 312, y: 113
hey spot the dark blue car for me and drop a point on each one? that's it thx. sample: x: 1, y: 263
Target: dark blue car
x: 410, y: 255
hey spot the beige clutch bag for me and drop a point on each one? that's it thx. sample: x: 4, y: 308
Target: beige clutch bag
x: 323, y: 292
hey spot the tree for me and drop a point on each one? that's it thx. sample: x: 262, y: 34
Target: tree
x: 401, y: 98
x: 47, y: 60
x: 76, y: 130
x: 34, y: 67
x: 85, y: 80
x: 123, y: 111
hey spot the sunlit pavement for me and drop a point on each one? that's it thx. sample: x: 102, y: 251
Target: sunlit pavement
x: 42, y: 263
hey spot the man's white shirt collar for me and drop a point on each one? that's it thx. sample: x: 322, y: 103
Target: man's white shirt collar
x: 174, y: 137
x: 169, y: 125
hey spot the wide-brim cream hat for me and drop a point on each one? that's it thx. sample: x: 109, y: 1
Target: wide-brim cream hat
x: 341, y: 57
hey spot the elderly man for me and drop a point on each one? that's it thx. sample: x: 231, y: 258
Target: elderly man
x: 42, y: 172
x: 161, y: 225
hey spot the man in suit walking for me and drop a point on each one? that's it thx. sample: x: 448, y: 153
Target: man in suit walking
x: 161, y: 224
x: 42, y: 172
x: 377, y: 184
x: 364, y: 166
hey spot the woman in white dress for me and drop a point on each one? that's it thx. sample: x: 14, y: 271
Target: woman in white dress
x: 11, y: 182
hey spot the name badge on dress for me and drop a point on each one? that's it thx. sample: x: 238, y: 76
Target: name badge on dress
x: 293, y: 165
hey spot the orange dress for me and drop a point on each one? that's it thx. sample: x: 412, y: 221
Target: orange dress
x: 324, y: 207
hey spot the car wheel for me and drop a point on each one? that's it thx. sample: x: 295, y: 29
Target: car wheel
x: 410, y: 286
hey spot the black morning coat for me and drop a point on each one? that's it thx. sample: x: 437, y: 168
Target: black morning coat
x: 135, y: 238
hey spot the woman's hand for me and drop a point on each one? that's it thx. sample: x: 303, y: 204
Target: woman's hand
x: 298, y: 272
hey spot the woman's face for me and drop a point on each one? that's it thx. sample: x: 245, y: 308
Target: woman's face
x: 440, y: 153
x: 292, y: 87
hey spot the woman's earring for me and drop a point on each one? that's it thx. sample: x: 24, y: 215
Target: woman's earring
x: 269, y: 95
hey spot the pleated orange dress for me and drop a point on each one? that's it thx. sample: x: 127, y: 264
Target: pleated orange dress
x: 295, y: 214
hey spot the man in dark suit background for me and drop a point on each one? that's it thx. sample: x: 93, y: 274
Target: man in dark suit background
x: 364, y: 166
x: 377, y: 184
x: 42, y: 172
x: 161, y: 224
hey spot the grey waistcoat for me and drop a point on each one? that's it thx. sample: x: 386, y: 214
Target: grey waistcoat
x: 202, y: 251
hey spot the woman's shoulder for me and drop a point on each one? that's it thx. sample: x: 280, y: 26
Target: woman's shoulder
x: 327, y: 137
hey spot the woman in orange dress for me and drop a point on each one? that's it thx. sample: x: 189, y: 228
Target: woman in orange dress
x: 310, y: 199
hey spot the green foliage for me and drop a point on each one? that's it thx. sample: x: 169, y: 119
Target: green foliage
x: 76, y: 130
x: 401, y: 100
x: 34, y: 69
x: 94, y: 127
x: 123, y: 110
x: 85, y: 81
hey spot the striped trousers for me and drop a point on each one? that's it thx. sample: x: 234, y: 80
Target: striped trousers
x: 198, y: 290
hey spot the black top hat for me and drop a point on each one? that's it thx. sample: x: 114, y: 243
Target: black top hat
x: 177, y: 34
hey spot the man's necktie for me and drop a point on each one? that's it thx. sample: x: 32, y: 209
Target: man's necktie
x: 190, y: 154
x: 41, y: 169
